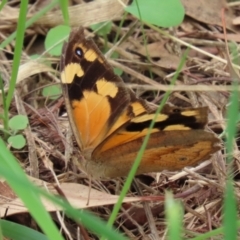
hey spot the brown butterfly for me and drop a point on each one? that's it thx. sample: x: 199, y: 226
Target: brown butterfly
x: 110, y: 122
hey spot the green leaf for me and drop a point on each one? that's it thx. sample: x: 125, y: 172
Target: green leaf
x: 52, y: 92
x: 161, y: 13
x: 17, y: 141
x: 118, y: 71
x: 54, y: 39
x: 103, y: 28
x: 19, y: 232
x: 18, y: 122
x: 34, y: 56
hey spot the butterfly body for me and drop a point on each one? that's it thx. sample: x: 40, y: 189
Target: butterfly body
x: 109, y: 122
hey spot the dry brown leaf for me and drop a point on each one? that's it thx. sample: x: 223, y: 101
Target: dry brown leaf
x: 208, y: 11
x: 157, y: 50
x: 85, y: 14
x: 30, y: 68
x: 9, y: 14
x: 5, y: 191
x: 76, y: 194
x: 236, y: 21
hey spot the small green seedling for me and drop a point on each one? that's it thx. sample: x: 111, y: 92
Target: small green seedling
x: 17, y: 124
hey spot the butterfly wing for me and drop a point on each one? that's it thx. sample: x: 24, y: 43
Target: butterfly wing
x: 177, y: 140
x: 170, y: 150
x: 110, y: 122
x: 97, y: 100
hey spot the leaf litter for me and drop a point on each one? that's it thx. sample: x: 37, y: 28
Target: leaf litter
x: 200, y: 188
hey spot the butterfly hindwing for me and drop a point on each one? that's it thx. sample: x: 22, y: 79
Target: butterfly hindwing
x: 171, y: 150
x: 177, y: 140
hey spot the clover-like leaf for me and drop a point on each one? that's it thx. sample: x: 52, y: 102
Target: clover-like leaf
x: 102, y: 28
x: 161, y: 13
x: 54, y: 39
x: 17, y: 141
x: 18, y: 122
x: 52, y: 92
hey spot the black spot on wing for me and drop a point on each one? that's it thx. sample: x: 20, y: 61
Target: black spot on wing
x: 68, y: 55
x: 173, y: 119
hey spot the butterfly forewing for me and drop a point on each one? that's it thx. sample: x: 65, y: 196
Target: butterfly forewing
x: 97, y: 100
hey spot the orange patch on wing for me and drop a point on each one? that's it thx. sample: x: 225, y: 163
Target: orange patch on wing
x: 123, y: 137
x: 136, y: 107
x: 91, y: 116
x: 176, y: 157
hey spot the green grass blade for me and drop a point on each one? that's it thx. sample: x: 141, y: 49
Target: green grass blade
x: 17, y: 50
x: 4, y: 116
x: 174, y: 217
x: 64, y: 8
x: 30, y: 198
x: 230, y: 204
x: 230, y: 227
x: 231, y: 129
x: 2, y: 4
x: 137, y: 161
x: 29, y: 194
